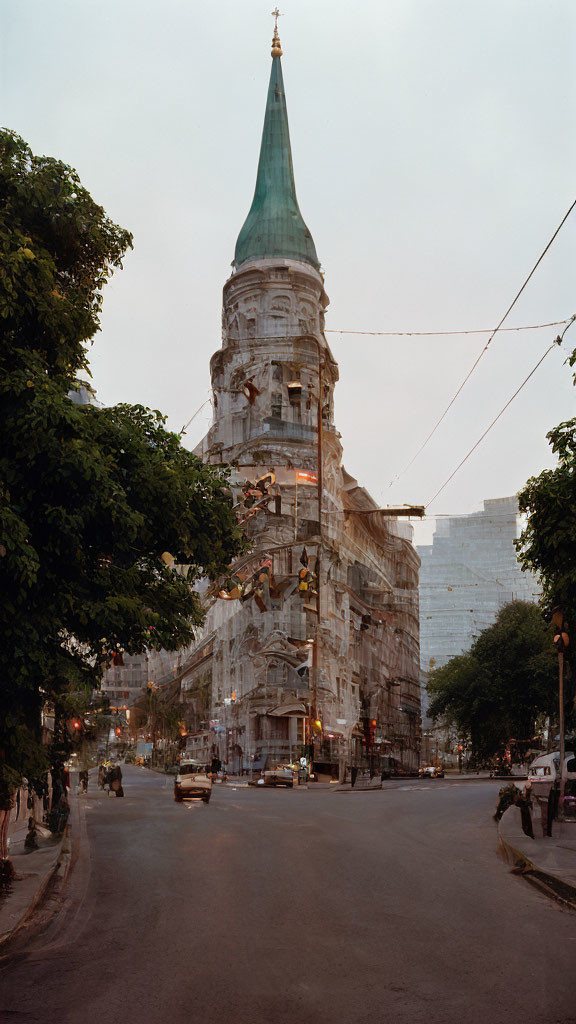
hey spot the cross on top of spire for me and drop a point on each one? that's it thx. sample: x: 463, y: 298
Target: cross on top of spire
x: 276, y: 47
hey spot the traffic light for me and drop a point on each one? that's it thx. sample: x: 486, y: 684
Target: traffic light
x: 369, y: 732
x: 561, y: 642
x: 305, y: 581
x: 74, y: 728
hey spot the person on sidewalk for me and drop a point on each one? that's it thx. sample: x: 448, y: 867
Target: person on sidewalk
x: 6, y: 804
x: 523, y: 801
x: 60, y: 808
x: 552, y: 808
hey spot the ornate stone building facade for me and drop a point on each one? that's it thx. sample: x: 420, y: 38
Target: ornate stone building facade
x: 313, y: 642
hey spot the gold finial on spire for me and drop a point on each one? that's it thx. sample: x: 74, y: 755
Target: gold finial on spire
x: 276, y: 47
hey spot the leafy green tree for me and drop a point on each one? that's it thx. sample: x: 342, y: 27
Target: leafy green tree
x: 548, y: 544
x: 498, y: 690
x: 90, y: 498
x: 57, y: 250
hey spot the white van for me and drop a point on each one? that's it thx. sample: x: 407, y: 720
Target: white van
x: 545, y: 771
x: 193, y: 780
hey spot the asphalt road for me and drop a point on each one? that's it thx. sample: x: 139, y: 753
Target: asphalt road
x: 292, y: 907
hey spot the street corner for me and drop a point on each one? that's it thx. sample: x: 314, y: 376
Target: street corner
x: 549, y: 862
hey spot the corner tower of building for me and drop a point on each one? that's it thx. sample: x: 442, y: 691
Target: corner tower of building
x: 315, y: 637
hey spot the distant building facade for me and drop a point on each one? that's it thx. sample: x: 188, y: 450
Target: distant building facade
x: 468, y: 573
x: 127, y: 676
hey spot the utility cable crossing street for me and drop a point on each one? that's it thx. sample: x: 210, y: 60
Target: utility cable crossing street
x: 306, y: 905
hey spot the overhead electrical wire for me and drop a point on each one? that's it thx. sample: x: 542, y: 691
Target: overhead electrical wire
x: 431, y: 515
x: 445, y: 334
x: 395, y: 334
x: 557, y: 341
x: 402, y: 334
x: 192, y: 418
x: 482, y: 353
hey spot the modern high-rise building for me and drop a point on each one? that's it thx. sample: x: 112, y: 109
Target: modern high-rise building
x: 468, y: 573
x: 313, y: 641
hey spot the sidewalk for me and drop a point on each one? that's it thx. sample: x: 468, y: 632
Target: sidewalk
x: 35, y: 870
x: 550, y: 861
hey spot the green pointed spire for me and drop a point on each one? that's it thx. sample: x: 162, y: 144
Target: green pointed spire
x: 274, y: 226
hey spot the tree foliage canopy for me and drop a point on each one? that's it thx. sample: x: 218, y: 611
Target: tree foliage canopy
x: 497, y: 691
x: 90, y: 497
x: 57, y: 250
x: 548, y: 544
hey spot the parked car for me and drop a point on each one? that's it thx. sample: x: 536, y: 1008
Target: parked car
x: 545, y: 771
x: 280, y: 776
x: 193, y: 780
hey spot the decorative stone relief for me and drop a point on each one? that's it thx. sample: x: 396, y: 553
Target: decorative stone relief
x: 281, y: 303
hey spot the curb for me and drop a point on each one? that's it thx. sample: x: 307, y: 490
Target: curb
x: 59, y: 870
x: 547, y: 882
x: 345, y: 787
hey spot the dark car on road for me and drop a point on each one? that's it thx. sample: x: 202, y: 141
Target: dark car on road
x: 431, y: 771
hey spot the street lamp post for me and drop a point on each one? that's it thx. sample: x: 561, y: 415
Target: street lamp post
x: 315, y: 675
x: 561, y: 641
x: 319, y: 474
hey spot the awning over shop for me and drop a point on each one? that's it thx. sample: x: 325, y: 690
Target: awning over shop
x: 295, y: 709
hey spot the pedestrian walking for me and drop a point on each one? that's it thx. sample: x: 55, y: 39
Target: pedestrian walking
x: 523, y: 801
x: 116, y: 781
x: 108, y: 779
x: 60, y: 808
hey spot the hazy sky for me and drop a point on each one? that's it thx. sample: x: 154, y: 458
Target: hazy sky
x: 433, y: 145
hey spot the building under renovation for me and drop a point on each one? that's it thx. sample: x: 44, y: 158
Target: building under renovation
x: 313, y: 640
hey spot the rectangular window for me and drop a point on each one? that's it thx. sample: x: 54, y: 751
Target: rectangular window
x: 294, y: 391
